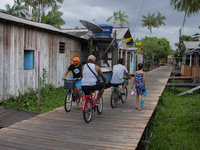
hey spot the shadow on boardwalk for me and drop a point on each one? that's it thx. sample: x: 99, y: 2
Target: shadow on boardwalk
x: 119, y: 128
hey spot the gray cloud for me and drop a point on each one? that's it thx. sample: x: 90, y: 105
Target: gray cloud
x: 101, y: 10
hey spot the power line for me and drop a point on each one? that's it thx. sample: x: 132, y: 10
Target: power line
x: 138, y: 15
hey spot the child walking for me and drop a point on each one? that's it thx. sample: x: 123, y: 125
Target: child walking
x: 139, y: 81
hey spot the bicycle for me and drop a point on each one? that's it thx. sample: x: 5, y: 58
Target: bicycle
x: 72, y: 94
x: 117, y: 96
x: 89, y: 105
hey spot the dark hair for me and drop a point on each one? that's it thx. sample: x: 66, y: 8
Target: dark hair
x: 120, y: 61
x: 140, y: 66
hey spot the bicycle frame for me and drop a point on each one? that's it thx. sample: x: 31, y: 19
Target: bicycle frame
x: 93, y: 101
x: 74, y: 94
x: 118, y: 88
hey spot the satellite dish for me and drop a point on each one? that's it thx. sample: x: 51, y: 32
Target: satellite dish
x: 90, y: 26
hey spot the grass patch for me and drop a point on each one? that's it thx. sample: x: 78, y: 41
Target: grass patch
x: 50, y: 98
x: 176, y: 124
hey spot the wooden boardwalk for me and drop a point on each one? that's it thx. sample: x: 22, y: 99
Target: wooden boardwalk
x: 119, y: 128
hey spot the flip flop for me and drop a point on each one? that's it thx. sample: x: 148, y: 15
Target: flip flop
x: 79, y: 105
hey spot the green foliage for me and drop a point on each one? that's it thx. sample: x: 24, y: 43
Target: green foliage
x: 190, y: 6
x: 176, y: 124
x: 149, y: 21
x: 53, y: 18
x: 160, y: 48
x: 50, y: 98
x: 44, y: 76
x: 119, y: 17
x: 152, y: 21
x: 35, y: 10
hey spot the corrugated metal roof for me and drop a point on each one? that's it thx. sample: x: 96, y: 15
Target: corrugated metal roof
x: 191, y: 44
x: 83, y: 33
x: 10, y: 18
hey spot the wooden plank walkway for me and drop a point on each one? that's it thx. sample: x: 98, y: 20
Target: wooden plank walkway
x: 11, y: 116
x: 118, y: 128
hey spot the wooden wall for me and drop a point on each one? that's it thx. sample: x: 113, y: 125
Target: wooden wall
x: 14, y: 40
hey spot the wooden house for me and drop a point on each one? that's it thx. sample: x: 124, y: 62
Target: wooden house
x: 25, y: 45
x: 107, y: 50
x: 191, y: 59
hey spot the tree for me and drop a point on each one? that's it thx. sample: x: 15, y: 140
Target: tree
x: 53, y: 18
x: 184, y: 38
x: 154, y: 49
x: 20, y: 9
x: 115, y: 14
x: 159, y: 20
x: 149, y: 21
x: 189, y: 6
x: 9, y: 9
x: 119, y: 18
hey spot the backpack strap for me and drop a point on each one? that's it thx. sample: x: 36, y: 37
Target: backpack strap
x: 93, y: 73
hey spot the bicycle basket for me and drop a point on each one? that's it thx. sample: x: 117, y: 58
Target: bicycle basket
x: 69, y: 84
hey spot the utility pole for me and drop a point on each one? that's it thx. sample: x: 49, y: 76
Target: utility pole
x: 179, y: 46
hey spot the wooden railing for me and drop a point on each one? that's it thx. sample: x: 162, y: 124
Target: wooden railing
x: 190, y: 71
x: 186, y: 70
x: 196, y: 72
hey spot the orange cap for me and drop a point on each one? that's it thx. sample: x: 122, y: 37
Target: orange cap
x: 76, y: 59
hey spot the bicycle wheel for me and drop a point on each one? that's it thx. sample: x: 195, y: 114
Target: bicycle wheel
x: 114, y: 98
x: 68, y: 102
x: 124, y: 97
x: 87, y: 113
x: 100, y: 106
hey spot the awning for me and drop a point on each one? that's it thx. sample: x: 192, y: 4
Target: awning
x: 193, y: 52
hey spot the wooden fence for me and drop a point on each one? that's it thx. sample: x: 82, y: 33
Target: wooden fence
x: 190, y: 71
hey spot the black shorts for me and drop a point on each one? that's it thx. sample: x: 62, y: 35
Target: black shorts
x: 89, y: 89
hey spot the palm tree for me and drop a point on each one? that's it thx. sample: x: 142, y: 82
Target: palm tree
x: 29, y: 5
x: 20, y: 9
x: 119, y: 18
x: 115, y: 14
x: 53, y: 18
x: 189, y: 6
x: 9, y: 9
x: 159, y: 20
x: 149, y: 21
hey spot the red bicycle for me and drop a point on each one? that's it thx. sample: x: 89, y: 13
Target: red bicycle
x: 89, y: 105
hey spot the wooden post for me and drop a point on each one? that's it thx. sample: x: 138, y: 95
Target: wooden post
x: 38, y: 82
x: 91, y: 46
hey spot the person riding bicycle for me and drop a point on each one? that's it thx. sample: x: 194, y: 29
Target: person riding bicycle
x: 89, y: 79
x: 118, y: 73
x: 76, y: 70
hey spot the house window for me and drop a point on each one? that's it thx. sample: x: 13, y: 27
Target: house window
x: 28, y: 59
x: 62, y: 47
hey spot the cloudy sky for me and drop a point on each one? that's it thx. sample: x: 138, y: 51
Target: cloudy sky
x: 101, y: 10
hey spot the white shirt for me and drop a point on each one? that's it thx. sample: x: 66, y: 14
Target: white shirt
x: 89, y: 79
x: 118, y: 73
